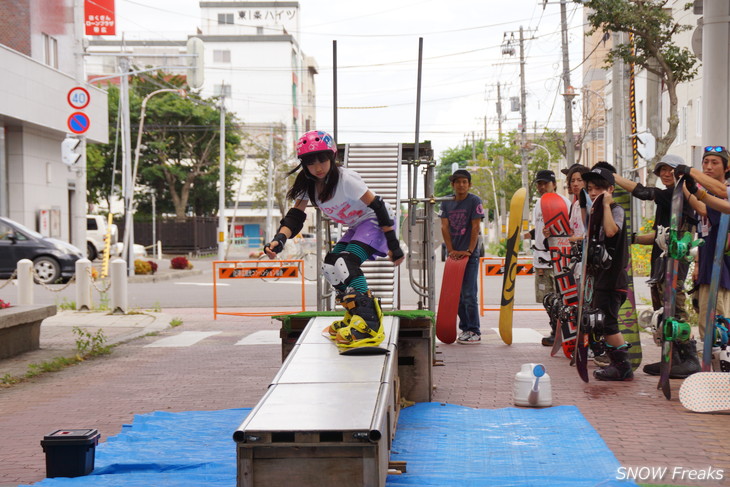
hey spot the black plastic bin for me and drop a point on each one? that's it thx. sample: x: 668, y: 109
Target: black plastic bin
x: 70, y: 453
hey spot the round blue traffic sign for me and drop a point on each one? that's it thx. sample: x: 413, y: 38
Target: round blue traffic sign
x: 78, y: 122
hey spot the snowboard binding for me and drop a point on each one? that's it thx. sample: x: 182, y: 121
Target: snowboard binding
x: 681, y: 248
x: 366, y: 324
x: 676, y: 331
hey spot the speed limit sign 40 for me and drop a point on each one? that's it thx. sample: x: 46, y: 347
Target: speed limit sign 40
x: 78, y: 97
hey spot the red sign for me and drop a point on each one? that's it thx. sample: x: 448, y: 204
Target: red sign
x: 78, y: 122
x: 99, y: 18
x: 78, y: 97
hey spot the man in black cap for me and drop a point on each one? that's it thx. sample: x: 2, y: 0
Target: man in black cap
x: 610, y: 283
x: 685, y: 361
x: 541, y: 261
x: 461, y: 220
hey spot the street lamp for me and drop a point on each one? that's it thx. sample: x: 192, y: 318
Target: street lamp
x: 129, y: 190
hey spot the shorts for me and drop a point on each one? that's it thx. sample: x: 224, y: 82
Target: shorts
x: 369, y: 233
x: 609, y: 302
x: 544, y: 283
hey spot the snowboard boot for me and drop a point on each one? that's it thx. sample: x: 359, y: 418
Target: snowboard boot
x: 366, y: 325
x: 684, y: 361
x: 619, y: 369
x: 345, y: 321
x: 689, y: 362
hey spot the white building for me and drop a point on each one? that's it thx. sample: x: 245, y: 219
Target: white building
x: 37, y: 45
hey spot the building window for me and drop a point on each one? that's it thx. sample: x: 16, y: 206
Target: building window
x: 224, y: 19
x: 221, y: 56
x: 50, y: 51
x: 222, y: 89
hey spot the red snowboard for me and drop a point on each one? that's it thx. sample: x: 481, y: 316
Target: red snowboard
x: 449, y: 299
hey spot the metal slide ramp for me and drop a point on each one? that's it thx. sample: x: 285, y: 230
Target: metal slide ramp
x: 379, y: 166
x: 326, y: 420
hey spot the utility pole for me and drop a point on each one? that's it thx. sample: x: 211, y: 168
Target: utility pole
x: 523, y: 112
x: 222, y: 179
x: 502, y: 175
x: 569, y: 94
x: 77, y: 230
x: 128, y: 184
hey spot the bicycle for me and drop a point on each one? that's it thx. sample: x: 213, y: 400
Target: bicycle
x: 292, y: 251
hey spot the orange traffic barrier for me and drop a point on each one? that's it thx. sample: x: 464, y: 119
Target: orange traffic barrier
x: 257, y: 269
x: 490, y: 266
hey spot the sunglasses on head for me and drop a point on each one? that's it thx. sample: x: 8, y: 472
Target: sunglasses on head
x: 714, y: 148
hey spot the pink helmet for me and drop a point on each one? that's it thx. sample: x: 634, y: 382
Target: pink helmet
x: 316, y: 141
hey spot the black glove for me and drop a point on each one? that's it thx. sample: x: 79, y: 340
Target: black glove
x: 681, y: 170
x: 393, y: 245
x: 280, y: 238
x: 690, y: 184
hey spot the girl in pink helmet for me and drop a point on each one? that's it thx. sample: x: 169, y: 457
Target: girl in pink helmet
x: 343, y: 196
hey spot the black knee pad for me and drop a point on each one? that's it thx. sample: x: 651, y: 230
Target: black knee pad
x: 341, y: 268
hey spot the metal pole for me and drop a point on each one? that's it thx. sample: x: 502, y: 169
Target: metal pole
x: 270, y: 189
x: 523, y: 110
x: 334, y: 90
x: 222, y: 179
x: 127, y: 166
x: 502, y: 176
x: 416, y: 146
x: 78, y: 212
x: 154, y: 225
x: 567, y: 96
x: 715, y: 101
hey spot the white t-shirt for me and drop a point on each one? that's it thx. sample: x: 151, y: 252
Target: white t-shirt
x: 345, y: 206
x: 576, y: 219
x: 541, y: 251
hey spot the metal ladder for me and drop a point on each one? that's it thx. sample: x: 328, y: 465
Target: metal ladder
x: 378, y: 165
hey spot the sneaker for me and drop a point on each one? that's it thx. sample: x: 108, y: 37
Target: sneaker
x: 463, y: 335
x: 469, y: 338
x: 548, y: 341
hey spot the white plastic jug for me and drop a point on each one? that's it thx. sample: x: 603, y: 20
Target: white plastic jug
x: 532, y: 387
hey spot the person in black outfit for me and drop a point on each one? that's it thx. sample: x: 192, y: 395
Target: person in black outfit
x: 610, y: 283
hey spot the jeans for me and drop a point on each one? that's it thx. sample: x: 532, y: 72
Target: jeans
x: 468, y: 304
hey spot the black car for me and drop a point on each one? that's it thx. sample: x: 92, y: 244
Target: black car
x: 52, y: 259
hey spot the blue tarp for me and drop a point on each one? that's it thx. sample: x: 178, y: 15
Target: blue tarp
x: 444, y: 445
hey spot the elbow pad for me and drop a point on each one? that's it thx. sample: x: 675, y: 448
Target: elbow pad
x: 383, y: 212
x: 294, y: 221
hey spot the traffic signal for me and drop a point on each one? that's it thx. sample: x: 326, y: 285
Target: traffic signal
x: 195, y: 48
x: 71, y: 151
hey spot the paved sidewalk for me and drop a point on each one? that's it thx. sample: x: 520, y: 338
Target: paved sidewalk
x: 58, y: 338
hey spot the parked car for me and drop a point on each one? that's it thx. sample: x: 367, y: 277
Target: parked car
x: 52, y: 259
x: 96, y: 228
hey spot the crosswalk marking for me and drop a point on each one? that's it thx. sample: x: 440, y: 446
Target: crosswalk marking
x: 263, y: 337
x: 184, y: 339
x: 524, y: 335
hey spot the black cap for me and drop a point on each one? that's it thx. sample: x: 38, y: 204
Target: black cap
x: 600, y: 173
x: 460, y: 173
x: 545, y: 175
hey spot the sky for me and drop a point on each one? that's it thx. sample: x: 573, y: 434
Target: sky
x: 377, y: 59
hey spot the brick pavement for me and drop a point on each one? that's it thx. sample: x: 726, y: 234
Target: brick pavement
x: 214, y: 374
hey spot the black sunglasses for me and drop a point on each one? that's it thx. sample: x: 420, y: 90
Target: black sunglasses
x: 714, y: 148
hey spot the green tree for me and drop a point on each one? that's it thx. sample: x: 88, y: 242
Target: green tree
x: 654, y: 28
x: 179, y: 152
x: 282, y: 162
x: 508, y: 152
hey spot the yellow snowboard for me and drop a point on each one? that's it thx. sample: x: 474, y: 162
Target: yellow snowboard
x: 514, y: 237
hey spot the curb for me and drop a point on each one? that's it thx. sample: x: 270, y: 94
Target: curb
x: 164, y: 276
